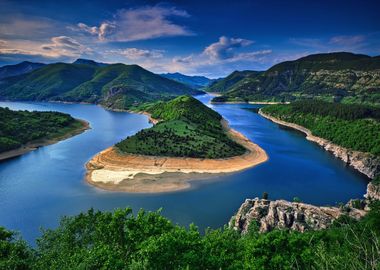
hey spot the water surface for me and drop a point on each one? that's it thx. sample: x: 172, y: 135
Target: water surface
x: 38, y: 188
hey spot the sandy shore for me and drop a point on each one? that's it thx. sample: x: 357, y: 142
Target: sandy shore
x: 152, y: 174
x: 31, y: 146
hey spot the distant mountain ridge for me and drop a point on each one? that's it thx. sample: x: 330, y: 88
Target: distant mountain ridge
x: 342, y: 77
x: 82, y: 61
x: 115, y: 86
x: 18, y: 69
x: 196, y: 82
x: 223, y: 85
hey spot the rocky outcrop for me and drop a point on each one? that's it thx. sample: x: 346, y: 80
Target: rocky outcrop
x: 365, y: 163
x: 280, y: 214
x: 373, y: 192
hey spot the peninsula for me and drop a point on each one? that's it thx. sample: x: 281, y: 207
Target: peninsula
x: 189, y: 141
x: 24, y: 131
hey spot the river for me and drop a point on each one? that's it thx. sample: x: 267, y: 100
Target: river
x: 39, y: 187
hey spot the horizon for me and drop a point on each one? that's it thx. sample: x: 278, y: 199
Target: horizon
x: 181, y: 73
x: 169, y: 37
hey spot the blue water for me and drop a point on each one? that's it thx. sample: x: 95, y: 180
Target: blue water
x: 38, y: 188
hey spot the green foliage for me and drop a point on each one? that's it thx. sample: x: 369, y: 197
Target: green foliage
x: 297, y: 200
x: 188, y: 129
x: 376, y: 181
x: 116, y: 86
x: 121, y: 240
x: 20, y: 127
x: 333, y: 77
x: 14, y: 253
x: 230, y: 81
x: 351, y: 126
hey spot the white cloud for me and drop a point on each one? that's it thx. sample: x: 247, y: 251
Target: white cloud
x: 135, y: 53
x: 64, y: 46
x: 13, y: 26
x: 221, y: 57
x: 347, y: 40
x: 224, y: 48
x: 61, y: 47
x: 139, y: 24
x: 332, y: 44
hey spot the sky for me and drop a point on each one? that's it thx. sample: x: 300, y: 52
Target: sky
x: 210, y: 38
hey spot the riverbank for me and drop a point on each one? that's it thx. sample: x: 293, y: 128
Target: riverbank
x: 365, y: 163
x: 33, y: 145
x: 154, y: 174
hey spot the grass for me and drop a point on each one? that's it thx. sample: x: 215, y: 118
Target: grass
x: 188, y: 129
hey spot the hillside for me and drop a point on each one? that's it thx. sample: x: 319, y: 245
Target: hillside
x: 340, y: 77
x: 116, y: 86
x: 187, y: 129
x: 18, y: 69
x: 20, y: 127
x: 196, y: 82
x: 230, y: 81
x: 355, y: 127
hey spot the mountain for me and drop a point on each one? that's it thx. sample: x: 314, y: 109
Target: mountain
x: 18, y: 69
x: 116, y: 86
x: 196, y: 82
x: 340, y: 77
x: 89, y: 62
x: 225, y: 84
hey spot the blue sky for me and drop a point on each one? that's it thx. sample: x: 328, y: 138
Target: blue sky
x: 211, y: 38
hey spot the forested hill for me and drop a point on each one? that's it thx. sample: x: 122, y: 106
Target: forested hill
x: 340, y: 77
x: 115, y: 86
x: 197, y: 82
x: 223, y: 85
x: 20, y: 127
x: 18, y: 69
x: 188, y: 128
x: 354, y: 127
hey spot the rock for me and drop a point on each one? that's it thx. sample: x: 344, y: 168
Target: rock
x: 281, y: 214
x: 373, y: 192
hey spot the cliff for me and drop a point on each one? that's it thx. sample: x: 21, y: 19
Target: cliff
x: 281, y: 214
x: 365, y: 163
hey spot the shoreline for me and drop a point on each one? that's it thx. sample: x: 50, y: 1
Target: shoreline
x: 156, y: 174
x: 365, y: 163
x: 34, y: 145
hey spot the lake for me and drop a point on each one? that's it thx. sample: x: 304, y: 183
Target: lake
x: 39, y: 187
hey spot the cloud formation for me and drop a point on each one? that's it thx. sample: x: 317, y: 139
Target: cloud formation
x: 135, y: 53
x: 222, y: 56
x: 335, y: 43
x: 224, y: 48
x: 139, y: 24
x: 60, y: 48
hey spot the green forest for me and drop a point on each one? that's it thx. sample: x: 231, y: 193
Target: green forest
x: 115, y: 86
x: 356, y: 127
x: 20, y: 127
x: 341, y: 77
x: 121, y: 240
x: 187, y: 129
